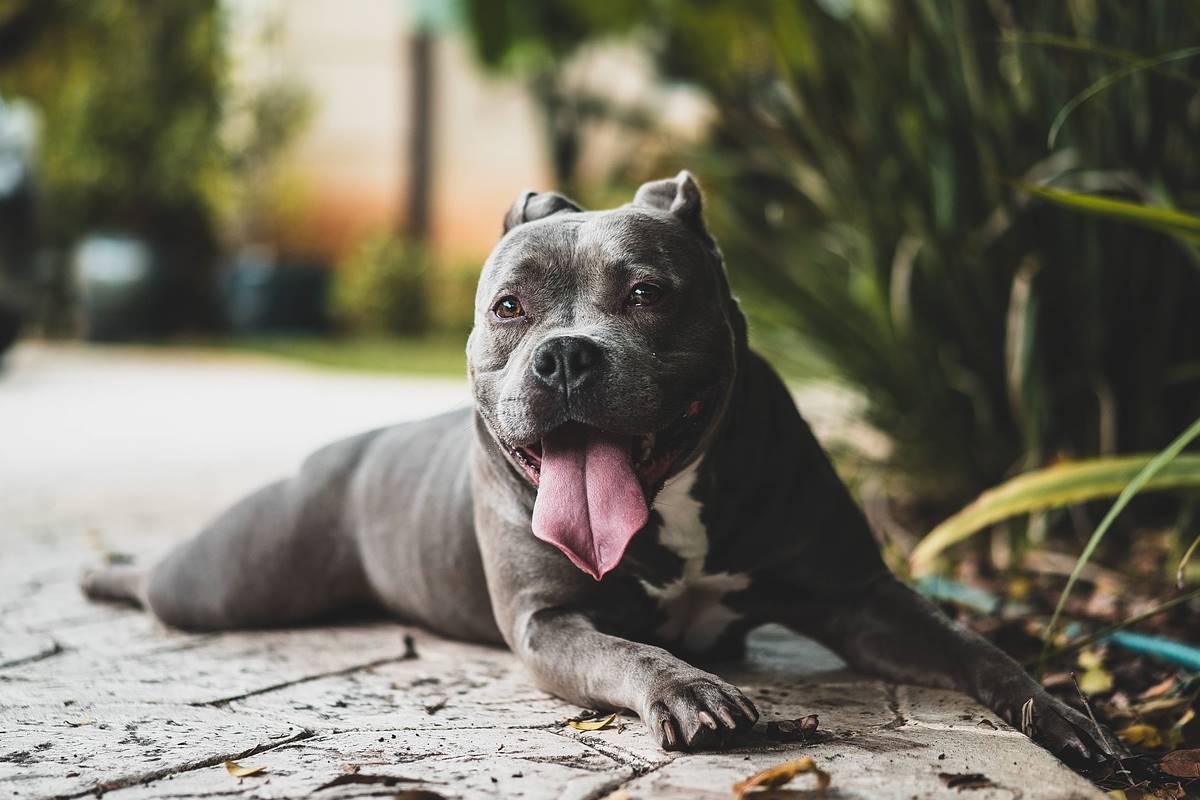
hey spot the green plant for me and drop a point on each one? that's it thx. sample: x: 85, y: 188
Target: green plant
x: 861, y: 176
x: 131, y: 101
x: 142, y: 132
x: 1055, y: 487
x: 381, y: 287
x: 532, y: 41
x: 452, y: 296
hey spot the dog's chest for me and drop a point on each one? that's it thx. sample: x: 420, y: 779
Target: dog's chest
x: 693, y: 603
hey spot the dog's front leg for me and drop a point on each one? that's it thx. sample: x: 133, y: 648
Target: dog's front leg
x: 548, y: 610
x: 684, y: 707
x: 889, y: 630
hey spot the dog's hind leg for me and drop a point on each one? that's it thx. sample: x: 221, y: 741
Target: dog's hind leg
x: 286, y: 554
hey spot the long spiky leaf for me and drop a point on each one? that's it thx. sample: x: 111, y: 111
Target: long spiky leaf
x: 1107, y: 81
x: 1053, y: 487
x: 1183, y: 562
x: 1165, y: 220
x: 1147, y: 473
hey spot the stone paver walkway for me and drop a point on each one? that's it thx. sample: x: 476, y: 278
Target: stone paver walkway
x: 130, y: 450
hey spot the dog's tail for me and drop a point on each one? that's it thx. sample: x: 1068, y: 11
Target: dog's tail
x: 119, y: 583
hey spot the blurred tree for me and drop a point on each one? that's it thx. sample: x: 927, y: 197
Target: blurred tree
x: 130, y: 100
x: 133, y: 98
x: 860, y: 180
x: 381, y: 287
x: 130, y: 95
x: 533, y: 39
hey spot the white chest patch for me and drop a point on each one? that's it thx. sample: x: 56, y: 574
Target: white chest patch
x: 696, y: 615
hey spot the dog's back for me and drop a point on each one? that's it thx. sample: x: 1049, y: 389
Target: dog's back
x: 379, y: 520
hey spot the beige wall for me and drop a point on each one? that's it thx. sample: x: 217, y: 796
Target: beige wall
x: 348, y: 170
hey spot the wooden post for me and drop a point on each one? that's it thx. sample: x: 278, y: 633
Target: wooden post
x: 416, y: 223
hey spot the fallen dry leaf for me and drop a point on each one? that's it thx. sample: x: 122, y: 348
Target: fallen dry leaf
x: 1181, y: 763
x: 1096, y: 680
x: 780, y: 774
x: 1162, y: 704
x: 238, y: 771
x: 1090, y: 659
x: 1140, y: 734
x: 965, y: 780
x: 791, y: 730
x: 592, y: 724
x: 79, y: 723
x: 1160, y: 688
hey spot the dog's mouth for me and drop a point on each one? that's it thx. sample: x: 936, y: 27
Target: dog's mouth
x: 653, y: 456
x: 595, y: 487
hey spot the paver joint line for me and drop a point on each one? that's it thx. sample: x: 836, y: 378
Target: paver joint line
x: 56, y: 649
x: 147, y: 778
x: 225, y: 701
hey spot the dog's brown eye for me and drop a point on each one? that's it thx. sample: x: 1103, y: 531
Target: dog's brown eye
x: 508, y: 307
x: 644, y: 294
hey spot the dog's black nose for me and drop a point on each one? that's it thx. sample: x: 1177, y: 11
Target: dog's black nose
x: 565, y: 362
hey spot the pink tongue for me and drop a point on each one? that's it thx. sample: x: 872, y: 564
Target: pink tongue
x: 589, y: 502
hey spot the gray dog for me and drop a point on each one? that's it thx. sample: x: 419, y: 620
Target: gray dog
x: 632, y: 485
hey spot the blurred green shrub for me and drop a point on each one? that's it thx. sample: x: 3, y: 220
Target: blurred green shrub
x: 452, y: 298
x: 130, y: 97
x: 861, y: 179
x: 382, y: 287
x: 141, y: 130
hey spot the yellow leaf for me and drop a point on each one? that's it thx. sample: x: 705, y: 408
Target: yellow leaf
x: 592, y: 724
x: 1090, y: 659
x: 238, y: 771
x: 1053, y: 487
x: 780, y: 774
x: 1116, y: 794
x: 1143, y: 735
x: 1096, y: 681
x: 1161, y: 704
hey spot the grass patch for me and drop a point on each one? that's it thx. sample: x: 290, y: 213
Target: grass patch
x: 445, y: 354
x: 441, y: 354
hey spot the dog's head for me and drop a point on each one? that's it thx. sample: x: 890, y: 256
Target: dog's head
x: 602, y: 358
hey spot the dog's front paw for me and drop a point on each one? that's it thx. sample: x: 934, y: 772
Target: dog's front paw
x: 697, y: 712
x: 1062, y: 730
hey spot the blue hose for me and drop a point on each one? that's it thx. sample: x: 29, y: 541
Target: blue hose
x: 1179, y: 653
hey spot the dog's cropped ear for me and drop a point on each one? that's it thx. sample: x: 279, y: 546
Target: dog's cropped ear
x: 536, y: 205
x: 679, y: 196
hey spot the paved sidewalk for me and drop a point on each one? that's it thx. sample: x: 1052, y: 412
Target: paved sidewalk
x: 130, y: 450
